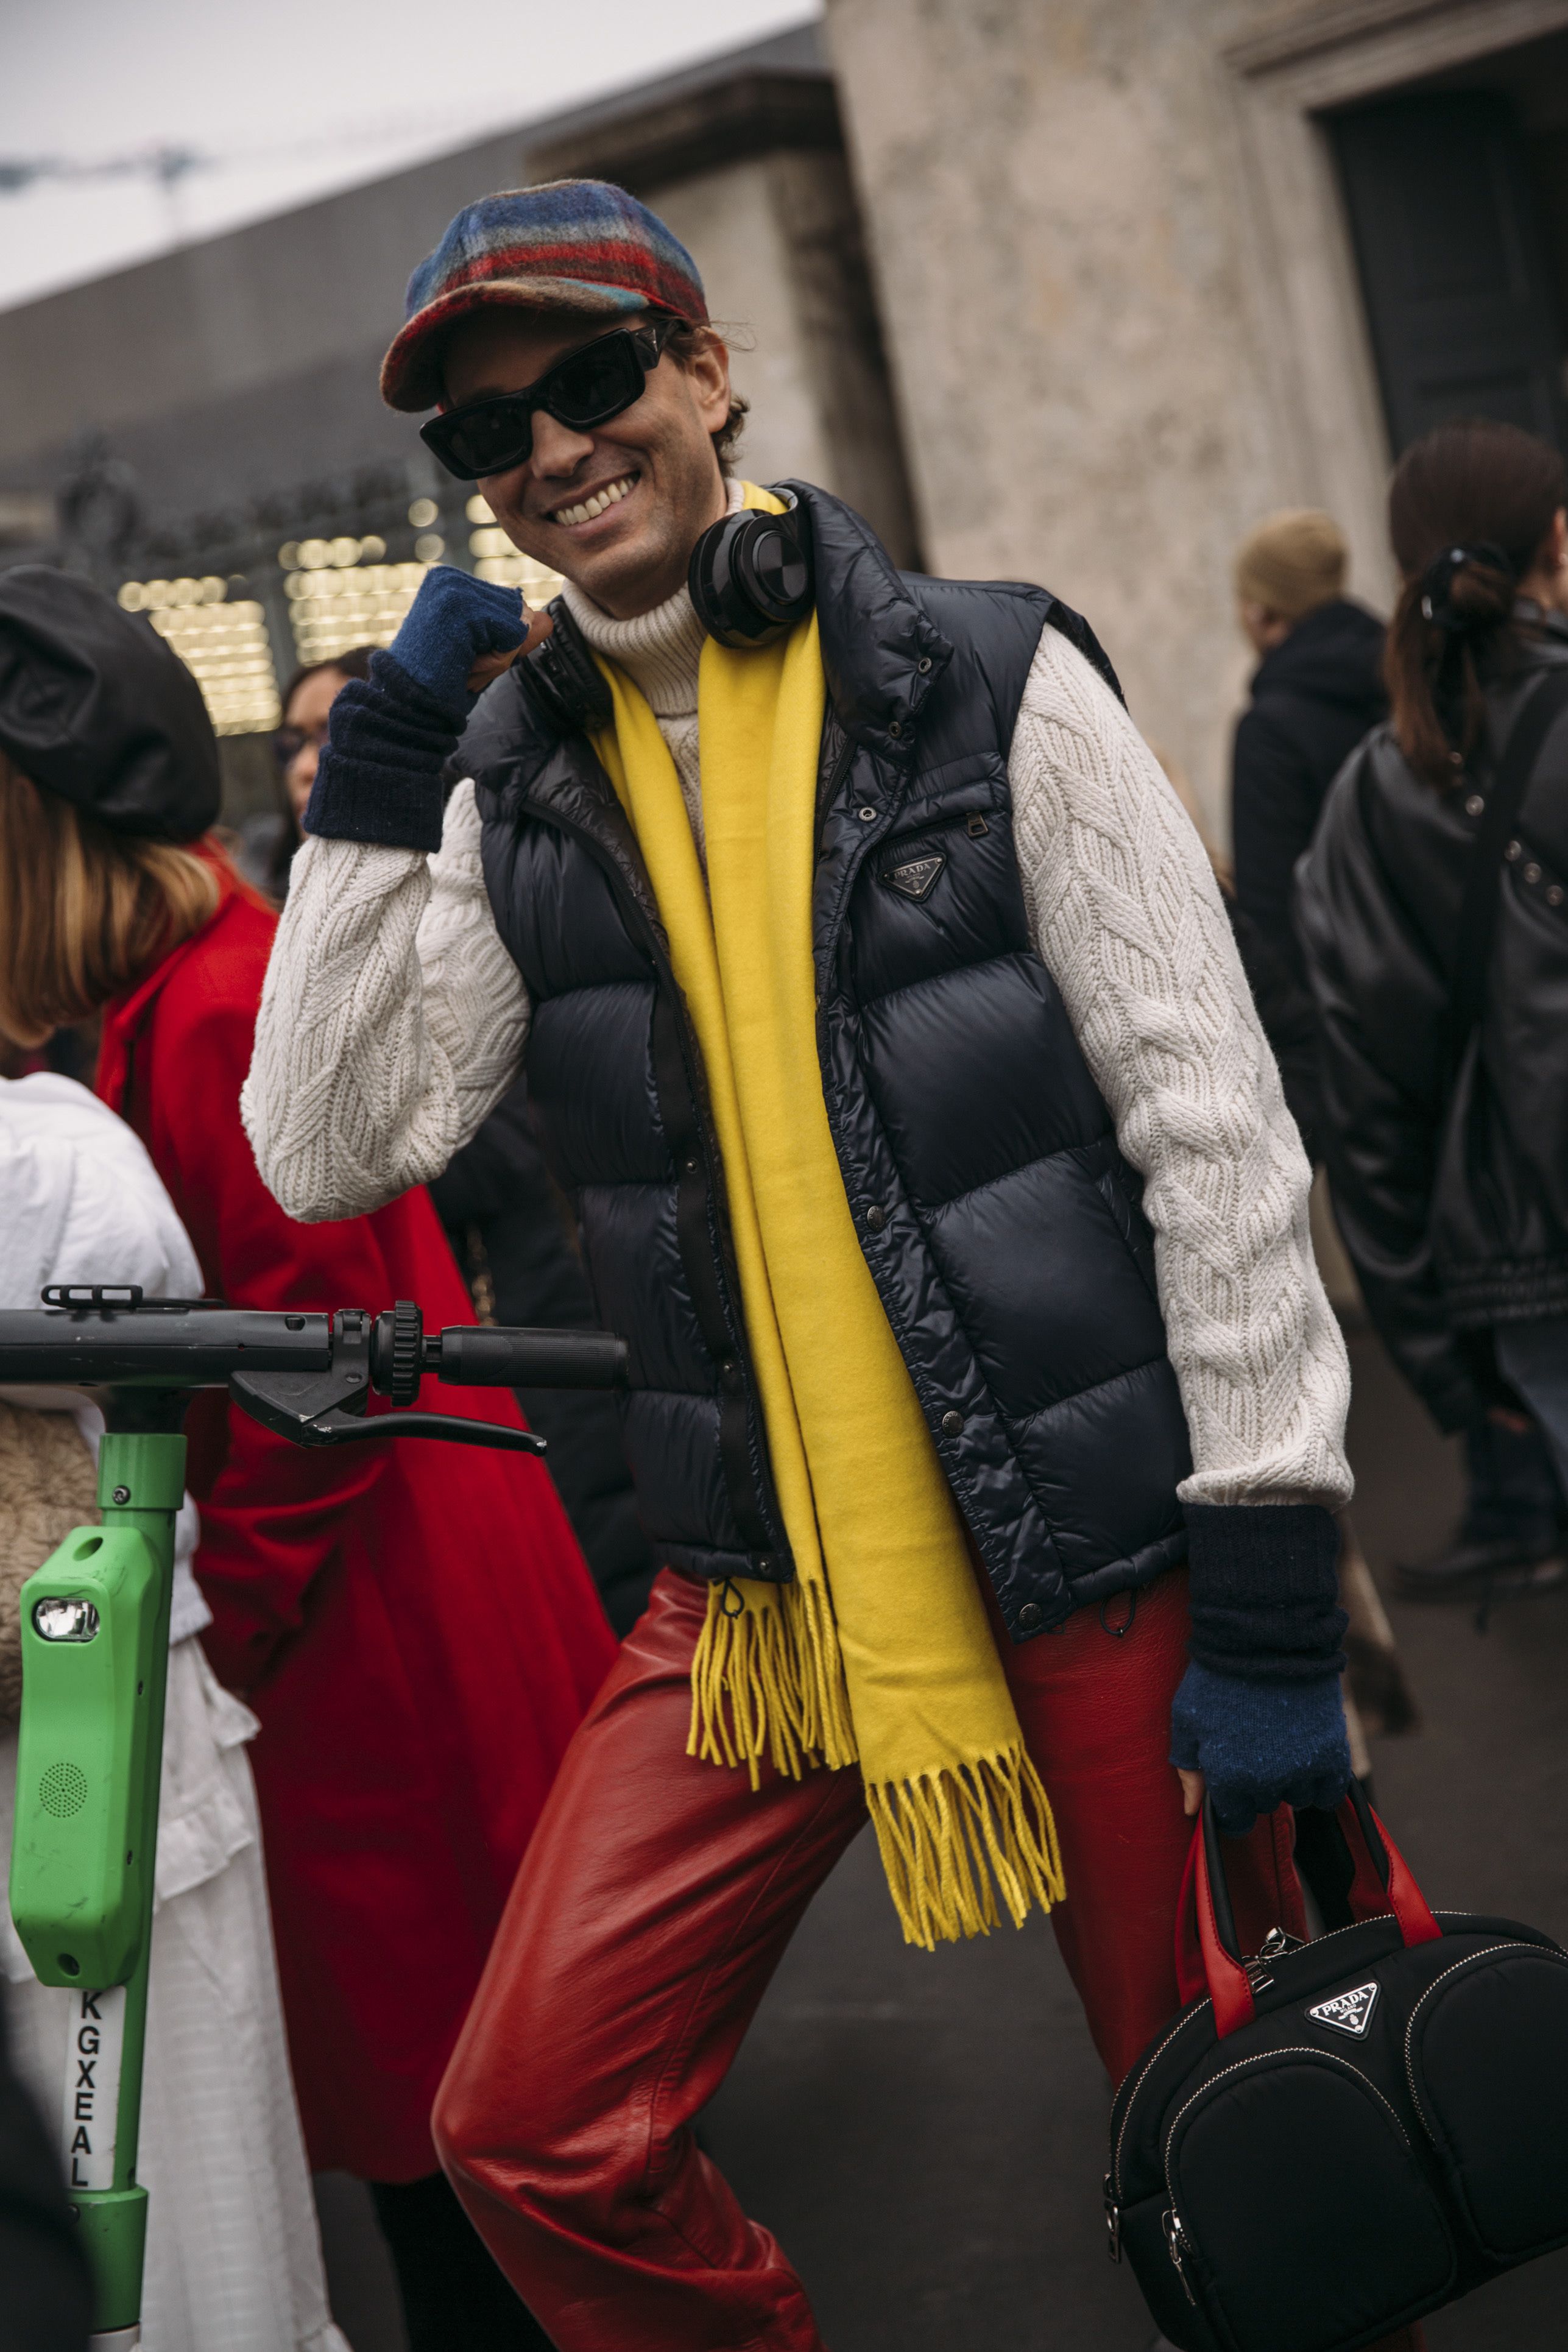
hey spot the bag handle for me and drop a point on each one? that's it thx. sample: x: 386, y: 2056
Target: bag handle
x: 1481, y: 904
x: 1383, y: 1883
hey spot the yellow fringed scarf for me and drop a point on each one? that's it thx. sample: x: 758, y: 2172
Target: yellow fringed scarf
x: 880, y: 1651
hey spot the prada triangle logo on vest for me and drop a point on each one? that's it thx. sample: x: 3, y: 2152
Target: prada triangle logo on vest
x: 1348, y: 2012
x: 916, y: 877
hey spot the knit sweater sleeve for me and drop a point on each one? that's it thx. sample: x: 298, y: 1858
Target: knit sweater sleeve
x: 1128, y: 919
x: 392, y: 1022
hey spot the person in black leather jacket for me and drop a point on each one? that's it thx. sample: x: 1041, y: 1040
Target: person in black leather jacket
x: 1451, y: 1183
x: 1315, y: 692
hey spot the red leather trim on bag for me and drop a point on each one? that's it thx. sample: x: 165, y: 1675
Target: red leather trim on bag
x: 1190, y: 1981
x: 1229, y: 1986
x: 1403, y: 1897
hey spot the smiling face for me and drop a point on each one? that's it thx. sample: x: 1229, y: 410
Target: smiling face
x: 618, y: 509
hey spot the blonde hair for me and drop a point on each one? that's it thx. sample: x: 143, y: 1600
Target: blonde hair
x: 84, y: 912
x: 1291, y: 562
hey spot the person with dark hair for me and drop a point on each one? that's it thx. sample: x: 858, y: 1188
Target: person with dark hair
x: 418, y: 1646
x: 881, y: 1013
x: 1433, y: 911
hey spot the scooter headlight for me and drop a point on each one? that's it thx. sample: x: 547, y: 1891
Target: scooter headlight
x: 65, y: 1621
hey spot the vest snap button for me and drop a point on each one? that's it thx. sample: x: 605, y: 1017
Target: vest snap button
x: 1533, y: 873
x: 876, y: 1219
x: 1029, y: 1616
x: 690, y: 1167
x: 1474, y: 805
x: 924, y: 664
x: 953, y: 1423
x: 895, y: 727
x: 867, y: 815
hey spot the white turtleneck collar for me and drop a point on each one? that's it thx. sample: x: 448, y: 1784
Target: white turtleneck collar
x: 659, y: 651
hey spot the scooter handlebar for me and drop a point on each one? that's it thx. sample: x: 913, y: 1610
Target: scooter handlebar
x: 490, y: 1356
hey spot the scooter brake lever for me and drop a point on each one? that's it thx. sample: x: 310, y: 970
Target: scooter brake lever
x: 336, y: 1428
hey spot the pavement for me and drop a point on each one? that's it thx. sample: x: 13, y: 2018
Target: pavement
x: 925, y: 2132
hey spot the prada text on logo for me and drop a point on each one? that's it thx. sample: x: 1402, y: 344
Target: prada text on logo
x: 1348, y: 2012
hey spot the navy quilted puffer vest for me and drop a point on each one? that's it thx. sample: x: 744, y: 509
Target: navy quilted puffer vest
x: 1000, y: 1222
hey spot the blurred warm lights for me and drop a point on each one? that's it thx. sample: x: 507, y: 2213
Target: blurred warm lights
x: 333, y: 610
x: 341, y: 593
x: 225, y: 646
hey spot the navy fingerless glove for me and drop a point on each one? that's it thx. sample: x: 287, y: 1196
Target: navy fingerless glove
x: 1260, y: 1744
x: 379, y: 775
x: 1258, y: 1712
x: 389, y: 737
x: 454, y: 619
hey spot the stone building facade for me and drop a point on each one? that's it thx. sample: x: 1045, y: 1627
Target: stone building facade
x: 1072, y: 290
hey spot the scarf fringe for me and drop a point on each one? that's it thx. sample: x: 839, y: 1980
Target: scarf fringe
x: 950, y: 1838
x: 768, y: 1680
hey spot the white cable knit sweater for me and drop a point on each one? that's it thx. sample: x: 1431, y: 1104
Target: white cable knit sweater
x: 393, y: 1019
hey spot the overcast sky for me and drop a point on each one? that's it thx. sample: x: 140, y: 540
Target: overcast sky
x: 291, y: 97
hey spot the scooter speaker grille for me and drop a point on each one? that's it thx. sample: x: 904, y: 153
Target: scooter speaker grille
x: 63, y: 1789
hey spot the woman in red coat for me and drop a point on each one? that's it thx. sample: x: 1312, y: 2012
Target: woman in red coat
x: 413, y: 1623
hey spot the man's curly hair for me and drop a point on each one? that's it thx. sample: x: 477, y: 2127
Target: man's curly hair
x: 683, y: 342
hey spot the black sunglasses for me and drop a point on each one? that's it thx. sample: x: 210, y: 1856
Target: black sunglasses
x: 587, y: 387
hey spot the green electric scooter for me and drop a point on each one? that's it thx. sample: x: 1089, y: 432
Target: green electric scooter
x: 95, y: 1647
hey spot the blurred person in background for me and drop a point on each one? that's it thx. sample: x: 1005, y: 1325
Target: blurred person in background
x: 417, y: 1638
x: 1436, y: 936
x: 512, y: 1229
x: 233, y: 2253
x: 1317, y: 691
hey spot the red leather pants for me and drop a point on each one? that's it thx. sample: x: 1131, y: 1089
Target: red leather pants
x: 655, y: 1901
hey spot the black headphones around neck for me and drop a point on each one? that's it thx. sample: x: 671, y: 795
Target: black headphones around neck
x: 750, y: 579
x: 749, y: 576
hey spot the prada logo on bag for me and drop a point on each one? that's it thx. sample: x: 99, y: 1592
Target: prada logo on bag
x: 1348, y: 2012
x: 917, y: 879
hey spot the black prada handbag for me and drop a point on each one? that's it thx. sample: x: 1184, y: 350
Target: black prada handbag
x: 1341, y: 2136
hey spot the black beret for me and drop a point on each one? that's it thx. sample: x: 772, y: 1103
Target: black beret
x: 95, y: 706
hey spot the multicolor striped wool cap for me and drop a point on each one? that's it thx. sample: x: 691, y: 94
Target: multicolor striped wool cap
x: 568, y: 244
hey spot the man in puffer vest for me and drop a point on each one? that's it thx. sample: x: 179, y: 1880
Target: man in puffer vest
x: 880, y: 1016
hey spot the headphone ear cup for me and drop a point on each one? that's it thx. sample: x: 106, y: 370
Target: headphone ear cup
x: 561, y: 677
x: 751, y: 577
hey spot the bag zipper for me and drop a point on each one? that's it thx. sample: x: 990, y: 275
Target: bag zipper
x: 1177, y: 2243
x: 1488, y: 1952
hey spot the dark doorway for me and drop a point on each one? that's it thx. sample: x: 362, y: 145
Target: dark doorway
x: 1456, y: 261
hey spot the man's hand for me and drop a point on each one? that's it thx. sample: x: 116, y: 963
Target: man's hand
x: 1193, y: 1786
x: 488, y: 666
x: 1258, y: 1745
x: 455, y: 623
